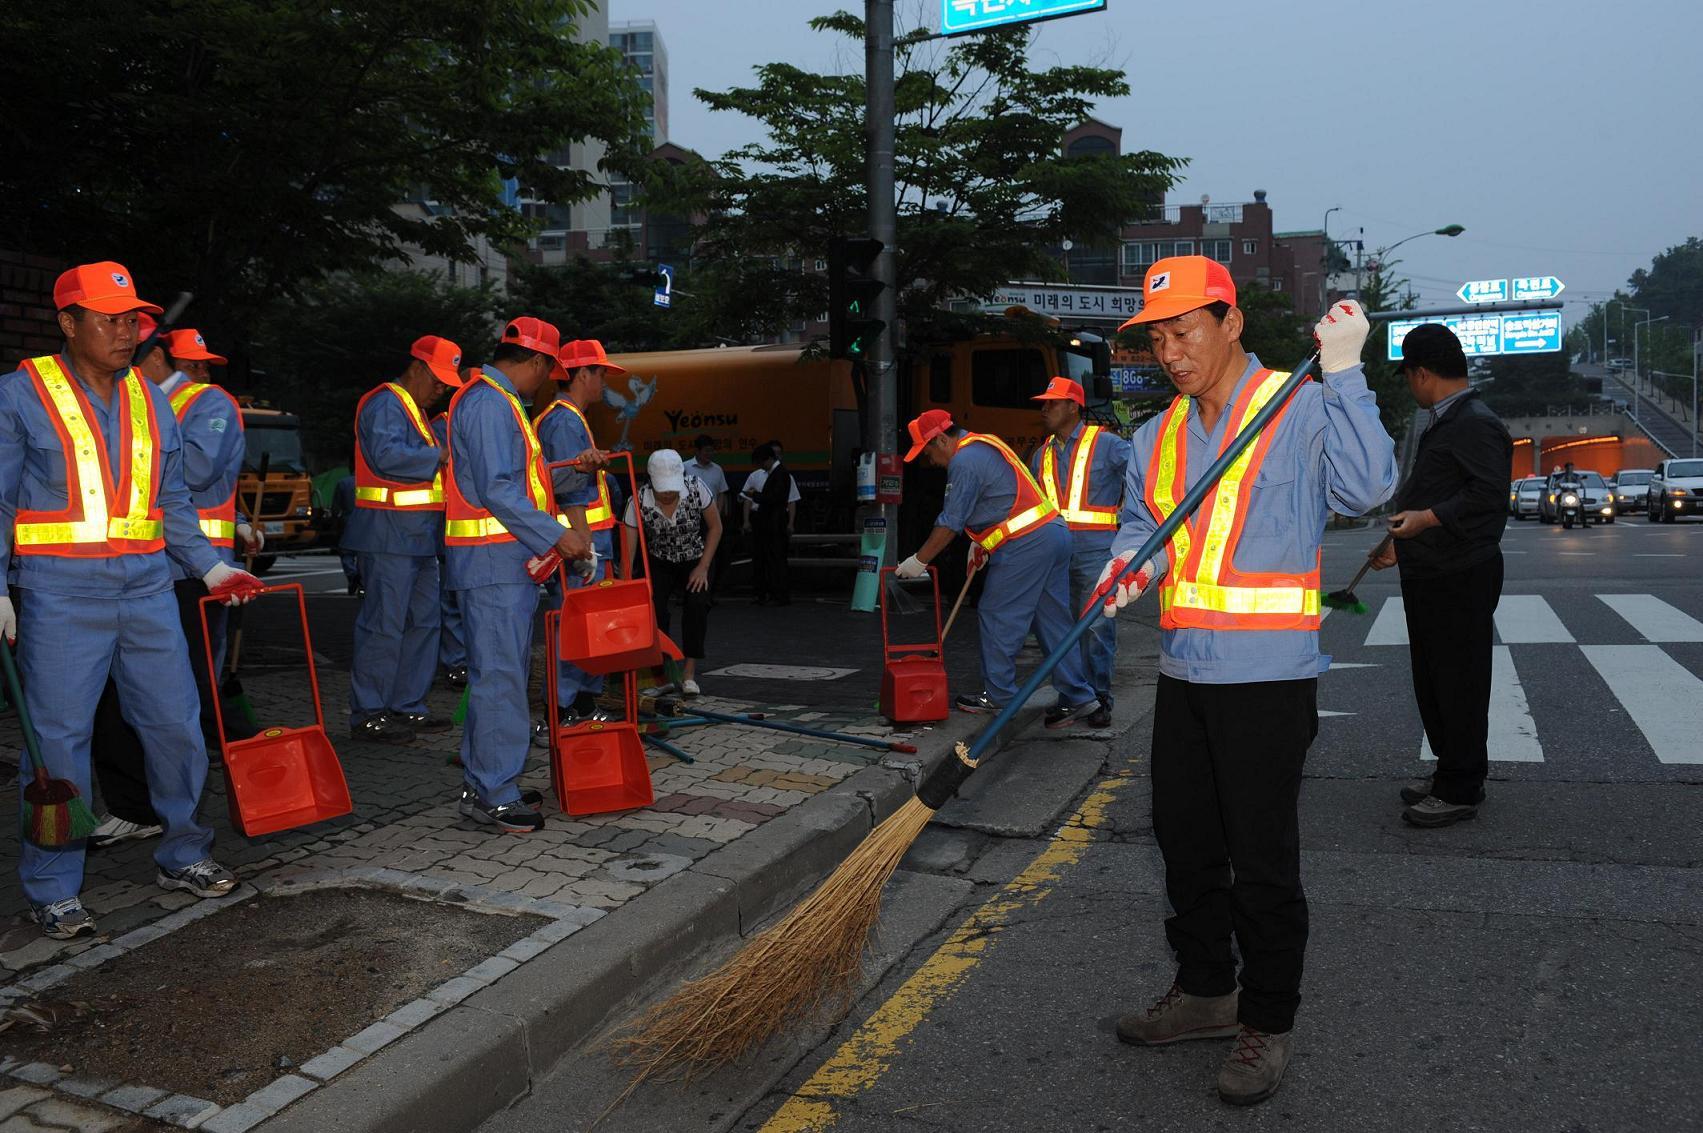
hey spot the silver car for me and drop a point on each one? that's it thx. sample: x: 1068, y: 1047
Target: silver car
x: 1525, y: 496
x: 1630, y: 486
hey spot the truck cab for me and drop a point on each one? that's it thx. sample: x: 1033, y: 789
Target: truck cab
x: 285, y: 503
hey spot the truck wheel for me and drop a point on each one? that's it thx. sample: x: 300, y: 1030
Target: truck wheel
x: 263, y: 563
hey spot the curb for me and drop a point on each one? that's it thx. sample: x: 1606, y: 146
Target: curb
x: 481, y: 1056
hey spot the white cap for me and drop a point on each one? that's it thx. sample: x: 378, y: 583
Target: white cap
x: 667, y: 471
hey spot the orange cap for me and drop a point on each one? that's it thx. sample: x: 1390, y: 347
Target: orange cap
x: 441, y: 356
x: 188, y: 345
x: 1180, y: 284
x: 927, y: 425
x: 585, y: 352
x: 105, y: 287
x: 536, y: 334
x: 1062, y: 389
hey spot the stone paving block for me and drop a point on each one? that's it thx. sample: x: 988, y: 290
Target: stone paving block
x: 182, y: 1110
x: 644, y: 869
x: 239, y: 1118
x: 132, y: 1098
x: 523, y: 950
x: 332, y: 1063
x: 376, y: 1037
x: 59, y: 1114
x: 94, y: 956
x: 414, y: 1012
x: 84, y: 1087
x: 490, y: 970
x: 16, y: 1098
x: 451, y: 992
x: 37, y: 1073
x: 280, y: 1092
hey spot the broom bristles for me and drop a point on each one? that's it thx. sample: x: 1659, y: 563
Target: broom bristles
x: 803, y: 966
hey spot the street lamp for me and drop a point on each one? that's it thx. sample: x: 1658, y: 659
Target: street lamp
x: 1324, y: 278
x: 1643, y: 322
x: 1446, y: 230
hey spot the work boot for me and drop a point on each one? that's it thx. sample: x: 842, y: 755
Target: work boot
x: 1254, y: 1067
x: 978, y: 704
x: 1433, y: 811
x: 1178, y: 1016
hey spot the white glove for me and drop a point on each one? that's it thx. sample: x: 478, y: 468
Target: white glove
x: 233, y: 585
x: 1116, y: 596
x: 912, y: 567
x: 977, y: 558
x: 248, y: 533
x: 1341, y: 335
x: 8, y: 621
x: 587, y: 567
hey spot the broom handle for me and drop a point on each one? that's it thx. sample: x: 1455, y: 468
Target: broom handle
x: 248, y: 565
x: 1367, y: 565
x: 943, y: 782
x: 14, y: 689
x: 953, y: 616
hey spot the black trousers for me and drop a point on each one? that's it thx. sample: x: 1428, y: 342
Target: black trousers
x: 668, y: 579
x: 1450, y: 631
x: 1226, y: 786
x: 770, y: 544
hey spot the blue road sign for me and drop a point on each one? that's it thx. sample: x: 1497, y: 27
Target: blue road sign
x: 664, y: 296
x: 1484, y: 291
x: 1512, y: 332
x: 1538, y: 287
x: 960, y: 17
x: 1533, y: 332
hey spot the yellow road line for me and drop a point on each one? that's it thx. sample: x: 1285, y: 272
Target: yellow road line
x: 861, y: 1060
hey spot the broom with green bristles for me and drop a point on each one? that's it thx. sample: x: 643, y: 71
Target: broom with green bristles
x: 53, y: 814
x: 1345, y: 599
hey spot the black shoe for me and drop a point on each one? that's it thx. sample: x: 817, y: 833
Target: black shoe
x: 470, y: 800
x: 1066, y: 715
x: 510, y: 818
x: 1419, y: 790
x: 383, y: 730
x: 977, y: 705
x: 1101, y: 717
x: 1433, y: 811
x: 354, y: 587
x: 424, y: 721
x: 456, y: 676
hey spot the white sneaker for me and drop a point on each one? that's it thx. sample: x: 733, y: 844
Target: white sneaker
x: 113, y: 829
x: 690, y: 688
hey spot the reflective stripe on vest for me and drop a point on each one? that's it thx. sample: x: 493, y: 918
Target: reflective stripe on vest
x: 87, y: 527
x: 1029, y: 510
x: 1081, y: 515
x: 373, y: 490
x: 219, y: 522
x: 1203, y: 589
x: 601, y: 515
x: 466, y: 524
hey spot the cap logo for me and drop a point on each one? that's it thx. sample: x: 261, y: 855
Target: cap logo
x: 199, y: 341
x: 1160, y: 282
x: 455, y: 361
x: 122, y: 280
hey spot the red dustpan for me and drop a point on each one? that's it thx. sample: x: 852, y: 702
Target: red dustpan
x: 913, y: 677
x: 284, y: 777
x: 610, y: 625
x: 596, y: 766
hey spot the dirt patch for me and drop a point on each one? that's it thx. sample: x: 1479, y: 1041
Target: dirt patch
x: 224, y: 1005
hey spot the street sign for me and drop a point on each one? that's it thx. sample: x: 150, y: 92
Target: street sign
x: 1511, y: 332
x: 1484, y: 291
x: 1093, y: 304
x: 664, y: 295
x: 1538, y: 287
x: 961, y: 17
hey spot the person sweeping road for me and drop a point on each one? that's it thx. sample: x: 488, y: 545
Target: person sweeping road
x: 1236, y: 705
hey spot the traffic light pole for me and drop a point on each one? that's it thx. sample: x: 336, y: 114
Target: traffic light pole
x: 880, y: 370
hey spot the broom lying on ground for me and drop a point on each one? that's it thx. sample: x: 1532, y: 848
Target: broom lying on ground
x: 1344, y: 599
x: 812, y: 959
x: 53, y: 814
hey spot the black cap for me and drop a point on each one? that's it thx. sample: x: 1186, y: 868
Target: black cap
x: 1435, y: 347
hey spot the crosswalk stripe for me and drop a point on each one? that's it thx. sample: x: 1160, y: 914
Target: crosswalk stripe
x: 1654, y: 618
x: 1526, y: 619
x: 1662, y: 696
x: 1390, y: 628
x: 1513, y: 732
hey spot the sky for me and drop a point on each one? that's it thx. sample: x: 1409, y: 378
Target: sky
x: 1562, y: 135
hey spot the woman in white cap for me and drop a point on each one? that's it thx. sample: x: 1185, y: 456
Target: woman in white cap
x: 682, y: 530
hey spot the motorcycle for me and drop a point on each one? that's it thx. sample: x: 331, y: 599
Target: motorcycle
x: 1569, y: 506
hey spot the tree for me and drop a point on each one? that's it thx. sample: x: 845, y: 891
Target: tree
x: 608, y: 302
x: 243, y: 149
x: 1270, y: 327
x: 1378, y: 292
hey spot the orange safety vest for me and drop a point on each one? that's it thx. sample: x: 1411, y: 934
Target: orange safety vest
x: 373, y: 490
x: 465, y: 523
x: 219, y: 522
x: 601, y: 515
x: 92, y: 526
x: 1077, y: 512
x: 1029, y: 510
x: 1203, y: 589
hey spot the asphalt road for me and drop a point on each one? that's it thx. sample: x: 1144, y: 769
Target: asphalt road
x: 1534, y: 969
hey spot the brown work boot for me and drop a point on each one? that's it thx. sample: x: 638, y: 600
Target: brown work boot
x: 1178, y: 1016
x: 1254, y: 1067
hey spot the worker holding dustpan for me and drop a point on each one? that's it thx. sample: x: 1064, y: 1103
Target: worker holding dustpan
x: 1239, y: 658
x: 91, y: 474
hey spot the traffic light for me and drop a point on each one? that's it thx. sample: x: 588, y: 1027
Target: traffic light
x: 852, y: 325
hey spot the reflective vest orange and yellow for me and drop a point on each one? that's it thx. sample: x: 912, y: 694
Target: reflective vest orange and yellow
x: 105, y: 515
x: 601, y: 515
x: 373, y: 490
x: 1071, y: 498
x: 219, y: 522
x: 1203, y: 589
x: 468, y: 525
x: 1029, y: 510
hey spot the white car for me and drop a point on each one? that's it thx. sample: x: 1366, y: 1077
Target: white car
x: 1630, y: 486
x: 1525, y: 497
x: 1676, y: 489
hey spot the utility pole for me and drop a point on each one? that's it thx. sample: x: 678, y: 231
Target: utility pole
x: 880, y: 371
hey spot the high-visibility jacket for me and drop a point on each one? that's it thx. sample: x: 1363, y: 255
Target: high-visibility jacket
x: 218, y: 522
x: 465, y: 523
x: 373, y: 490
x: 1029, y: 510
x: 601, y: 515
x: 105, y: 515
x: 1071, y: 498
x: 1203, y: 589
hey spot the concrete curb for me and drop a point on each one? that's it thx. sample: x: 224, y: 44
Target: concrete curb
x: 478, y: 1058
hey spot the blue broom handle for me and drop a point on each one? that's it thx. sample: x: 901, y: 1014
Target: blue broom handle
x: 14, y: 689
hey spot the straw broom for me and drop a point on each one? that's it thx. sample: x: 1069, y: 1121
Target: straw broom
x: 810, y: 962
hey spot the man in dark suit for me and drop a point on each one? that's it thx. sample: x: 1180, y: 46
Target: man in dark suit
x: 769, y: 491
x: 1448, y: 542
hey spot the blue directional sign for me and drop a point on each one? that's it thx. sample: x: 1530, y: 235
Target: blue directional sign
x: 1511, y: 332
x: 1531, y: 332
x: 1484, y: 291
x: 664, y: 296
x: 960, y: 17
x: 1538, y: 287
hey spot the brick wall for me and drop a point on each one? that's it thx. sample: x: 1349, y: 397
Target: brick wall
x: 27, y: 325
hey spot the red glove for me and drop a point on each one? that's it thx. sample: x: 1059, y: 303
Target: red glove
x: 1117, y: 589
x: 232, y: 586
x: 978, y: 557
x: 539, y: 568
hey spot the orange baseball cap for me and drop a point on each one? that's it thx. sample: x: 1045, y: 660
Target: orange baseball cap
x: 105, y: 287
x: 1062, y: 389
x: 927, y: 425
x: 441, y: 356
x: 536, y: 334
x: 585, y: 352
x: 189, y: 346
x: 1180, y: 284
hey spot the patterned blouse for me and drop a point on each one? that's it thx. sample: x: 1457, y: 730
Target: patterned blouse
x: 680, y: 539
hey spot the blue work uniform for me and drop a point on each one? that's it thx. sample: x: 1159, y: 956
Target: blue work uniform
x: 1028, y: 583
x: 1089, y: 548
x: 452, y: 645
x: 498, y: 599
x: 564, y: 437
x: 1330, y: 453
x: 396, y: 632
x: 83, y: 619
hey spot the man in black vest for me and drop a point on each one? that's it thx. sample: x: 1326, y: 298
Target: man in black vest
x: 1448, y: 542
